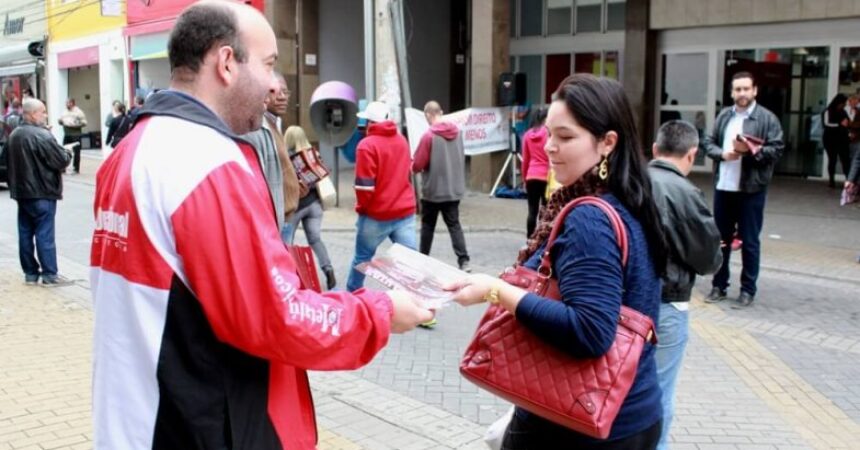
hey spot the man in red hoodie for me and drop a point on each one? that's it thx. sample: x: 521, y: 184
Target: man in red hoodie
x: 441, y: 160
x: 384, y: 199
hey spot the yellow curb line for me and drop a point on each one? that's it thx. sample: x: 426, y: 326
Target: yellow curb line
x: 813, y: 416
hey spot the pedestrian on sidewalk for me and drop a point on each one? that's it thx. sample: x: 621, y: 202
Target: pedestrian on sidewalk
x: 837, y: 140
x: 694, y: 248
x: 310, y: 209
x: 73, y: 121
x: 203, y: 332
x: 36, y: 164
x: 535, y: 168
x: 594, y: 147
x: 384, y: 199
x: 271, y: 153
x: 118, y: 126
x: 742, y: 172
x: 441, y: 161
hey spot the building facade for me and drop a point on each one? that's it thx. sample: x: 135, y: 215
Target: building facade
x: 23, y: 30
x: 86, y: 59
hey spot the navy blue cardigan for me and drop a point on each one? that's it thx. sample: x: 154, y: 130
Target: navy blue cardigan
x: 587, y: 261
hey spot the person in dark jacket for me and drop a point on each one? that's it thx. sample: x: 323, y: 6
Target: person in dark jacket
x: 119, y: 125
x: 594, y: 151
x: 36, y: 164
x: 441, y: 161
x: 694, y: 248
x: 836, y: 138
x: 742, y: 172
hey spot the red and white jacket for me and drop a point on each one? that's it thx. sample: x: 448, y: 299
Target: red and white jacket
x: 202, y: 333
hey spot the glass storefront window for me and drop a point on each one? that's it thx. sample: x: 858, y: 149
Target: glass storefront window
x: 557, y: 69
x: 513, y: 18
x: 610, y: 65
x: 792, y: 83
x: 685, y: 79
x: 589, y: 16
x: 615, y: 14
x: 531, y: 17
x: 849, y: 70
x: 558, y: 16
x: 532, y: 66
x: 587, y: 63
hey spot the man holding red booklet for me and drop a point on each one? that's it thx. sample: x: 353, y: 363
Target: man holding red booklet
x: 745, y: 144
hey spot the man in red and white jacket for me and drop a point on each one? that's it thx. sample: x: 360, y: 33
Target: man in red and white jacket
x: 203, y: 332
x: 384, y: 199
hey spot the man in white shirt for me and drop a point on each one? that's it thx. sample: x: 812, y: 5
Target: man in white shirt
x: 746, y: 144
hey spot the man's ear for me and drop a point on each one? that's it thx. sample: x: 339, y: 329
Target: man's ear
x: 225, y: 64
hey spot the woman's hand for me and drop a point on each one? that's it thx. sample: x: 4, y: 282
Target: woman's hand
x: 473, y: 289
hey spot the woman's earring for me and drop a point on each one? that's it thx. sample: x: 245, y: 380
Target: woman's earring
x: 603, y: 172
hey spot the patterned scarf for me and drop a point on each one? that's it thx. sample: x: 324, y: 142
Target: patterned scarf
x: 588, y: 184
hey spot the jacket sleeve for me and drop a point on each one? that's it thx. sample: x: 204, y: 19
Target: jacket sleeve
x: 693, y: 233
x: 421, y: 162
x: 54, y: 154
x: 365, y: 176
x: 527, y: 155
x: 854, y: 174
x: 587, y: 262
x: 234, y: 261
x: 112, y: 128
x: 711, y: 143
x: 773, y: 146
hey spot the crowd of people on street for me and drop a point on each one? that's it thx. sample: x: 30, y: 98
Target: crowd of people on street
x: 205, y: 322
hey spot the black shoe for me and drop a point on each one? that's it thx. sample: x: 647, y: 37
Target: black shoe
x: 31, y: 280
x: 716, y: 295
x: 744, y: 300
x: 330, y: 280
x: 465, y: 267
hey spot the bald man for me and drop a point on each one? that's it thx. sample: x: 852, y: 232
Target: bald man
x: 203, y: 331
x: 36, y: 165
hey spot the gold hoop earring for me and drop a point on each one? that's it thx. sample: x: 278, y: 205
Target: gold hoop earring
x: 603, y: 172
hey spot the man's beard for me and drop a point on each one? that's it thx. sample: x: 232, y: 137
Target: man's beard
x: 246, y: 113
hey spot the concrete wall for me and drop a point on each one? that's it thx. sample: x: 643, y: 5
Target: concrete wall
x: 341, y: 43
x: 428, y: 34
x: 697, y: 13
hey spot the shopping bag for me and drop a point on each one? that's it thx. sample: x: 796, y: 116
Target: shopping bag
x: 306, y: 267
x: 327, y: 192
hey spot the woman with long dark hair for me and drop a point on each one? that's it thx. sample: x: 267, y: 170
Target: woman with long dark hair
x: 836, y: 139
x: 594, y: 149
x: 535, y: 167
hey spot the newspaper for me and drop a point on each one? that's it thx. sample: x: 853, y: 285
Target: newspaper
x: 422, y: 276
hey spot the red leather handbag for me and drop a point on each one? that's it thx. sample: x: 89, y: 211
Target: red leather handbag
x: 582, y: 394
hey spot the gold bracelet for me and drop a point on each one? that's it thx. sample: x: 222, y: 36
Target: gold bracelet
x: 492, y: 296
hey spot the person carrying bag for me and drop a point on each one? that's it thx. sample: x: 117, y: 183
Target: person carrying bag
x: 585, y: 292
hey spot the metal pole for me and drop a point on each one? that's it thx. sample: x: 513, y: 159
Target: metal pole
x: 369, y: 52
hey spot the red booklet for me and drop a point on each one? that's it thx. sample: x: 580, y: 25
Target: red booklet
x: 309, y: 166
x: 753, y: 142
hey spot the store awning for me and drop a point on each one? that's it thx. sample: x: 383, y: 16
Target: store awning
x: 149, y: 46
x: 15, y: 54
x: 18, y: 69
x: 86, y: 56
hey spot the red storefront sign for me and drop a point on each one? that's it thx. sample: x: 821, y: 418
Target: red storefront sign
x: 152, y: 16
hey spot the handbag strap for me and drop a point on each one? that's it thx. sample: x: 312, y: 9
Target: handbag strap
x: 614, y: 220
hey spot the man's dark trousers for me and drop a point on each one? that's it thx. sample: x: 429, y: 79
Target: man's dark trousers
x: 451, y: 215
x: 36, y: 221
x: 746, y: 210
x: 76, y: 161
